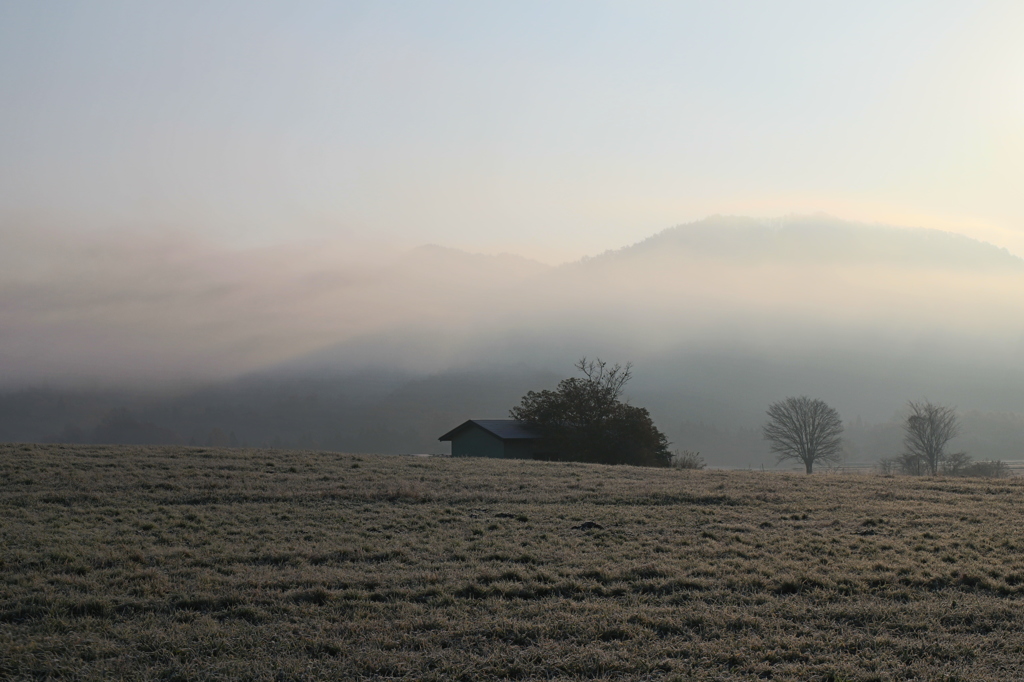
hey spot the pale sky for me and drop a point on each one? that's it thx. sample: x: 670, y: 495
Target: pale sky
x: 549, y: 129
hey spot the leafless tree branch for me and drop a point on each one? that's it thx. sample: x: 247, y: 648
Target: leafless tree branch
x: 928, y: 430
x: 804, y: 429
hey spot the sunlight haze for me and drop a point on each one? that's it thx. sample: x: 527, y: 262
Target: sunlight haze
x: 552, y: 130
x: 371, y: 203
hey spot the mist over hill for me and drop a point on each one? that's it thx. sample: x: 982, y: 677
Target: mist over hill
x: 823, y: 240
x: 719, y: 317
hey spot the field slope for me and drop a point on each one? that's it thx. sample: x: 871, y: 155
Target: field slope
x: 195, y: 564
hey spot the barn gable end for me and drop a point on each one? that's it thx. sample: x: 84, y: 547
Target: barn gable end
x: 500, y: 438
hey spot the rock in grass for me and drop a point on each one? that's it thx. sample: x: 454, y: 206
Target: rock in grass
x: 587, y: 525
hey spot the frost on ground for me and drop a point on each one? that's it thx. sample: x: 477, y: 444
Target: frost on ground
x: 195, y: 564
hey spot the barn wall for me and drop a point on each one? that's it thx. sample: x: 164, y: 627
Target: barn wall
x: 519, y: 449
x: 476, y: 442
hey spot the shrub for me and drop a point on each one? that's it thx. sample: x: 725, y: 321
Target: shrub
x: 687, y: 459
x: 956, y: 463
x: 993, y: 469
x: 912, y: 465
x: 888, y: 466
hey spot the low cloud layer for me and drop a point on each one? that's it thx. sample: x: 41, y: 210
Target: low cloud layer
x: 157, y: 309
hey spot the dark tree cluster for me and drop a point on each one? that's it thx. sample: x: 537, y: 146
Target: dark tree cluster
x: 585, y: 420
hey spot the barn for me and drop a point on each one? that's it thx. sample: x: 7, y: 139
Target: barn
x: 502, y: 438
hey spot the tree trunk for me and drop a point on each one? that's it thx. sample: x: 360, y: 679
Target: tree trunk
x: 810, y: 467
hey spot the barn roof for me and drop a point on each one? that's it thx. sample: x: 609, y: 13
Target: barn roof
x: 505, y: 429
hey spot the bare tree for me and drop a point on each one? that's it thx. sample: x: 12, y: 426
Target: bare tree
x: 929, y: 428
x: 804, y: 429
x: 610, y: 380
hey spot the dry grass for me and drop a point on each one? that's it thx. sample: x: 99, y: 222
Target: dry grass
x: 193, y: 564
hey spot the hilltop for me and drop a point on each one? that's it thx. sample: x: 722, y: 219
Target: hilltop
x: 819, y: 239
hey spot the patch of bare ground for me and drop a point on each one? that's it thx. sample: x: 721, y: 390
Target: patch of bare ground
x: 202, y: 564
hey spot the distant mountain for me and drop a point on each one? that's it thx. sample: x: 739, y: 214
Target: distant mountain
x: 783, y: 286
x: 721, y: 317
x: 820, y: 240
x: 444, y: 261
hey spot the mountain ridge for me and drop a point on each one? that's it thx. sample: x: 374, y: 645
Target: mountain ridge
x: 819, y: 239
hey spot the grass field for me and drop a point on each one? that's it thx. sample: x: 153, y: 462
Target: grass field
x: 196, y: 564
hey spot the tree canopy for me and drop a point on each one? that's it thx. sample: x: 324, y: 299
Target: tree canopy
x: 585, y: 420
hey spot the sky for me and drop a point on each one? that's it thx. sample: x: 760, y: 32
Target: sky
x: 553, y: 130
